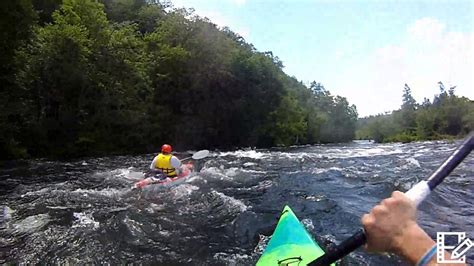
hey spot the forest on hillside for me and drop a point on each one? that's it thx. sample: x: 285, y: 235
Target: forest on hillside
x: 83, y: 77
x: 447, y: 116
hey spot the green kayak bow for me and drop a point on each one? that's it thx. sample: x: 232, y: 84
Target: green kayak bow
x: 290, y: 244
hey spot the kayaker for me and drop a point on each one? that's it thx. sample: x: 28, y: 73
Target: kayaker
x: 391, y: 227
x: 166, y: 163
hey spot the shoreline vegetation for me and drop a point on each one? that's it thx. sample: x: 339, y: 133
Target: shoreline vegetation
x: 94, y: 78
x: 448, y: 117
x: 106, y: 77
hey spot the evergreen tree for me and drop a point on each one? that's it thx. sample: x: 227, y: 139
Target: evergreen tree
x: 448, y: 116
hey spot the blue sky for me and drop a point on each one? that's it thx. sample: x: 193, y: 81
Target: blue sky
x: 363, y: 50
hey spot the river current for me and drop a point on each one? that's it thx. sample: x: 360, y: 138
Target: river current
x: 82, y: 211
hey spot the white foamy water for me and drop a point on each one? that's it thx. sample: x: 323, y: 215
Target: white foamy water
x: 308, y: 224
x: 321, y: 152
x: 233, y: 171
x: 231, y: 202
x: 133, y: 226
x: 250, y: 171
x: 84, y: 220
x: 57, y: 207
x: 129, y: 173
x: 230, y: 259
x: 183, y: 190
x: 6, y: 214
x: 364, y: 152
x: 107, y: 192
x: 153, y: 207
x: 324, y: 170
x: 216, y: 172
x: 37, y: 192
x: 413, y: 161
x: 262, y: 243
x: 228, y: 173
x: 246, y: 154
x: 31, y: 223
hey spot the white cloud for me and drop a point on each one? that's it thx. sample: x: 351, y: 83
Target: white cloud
x: 214, y: 16
x: 222, y: 21
x: 427, y: 29
x: 427, y: 54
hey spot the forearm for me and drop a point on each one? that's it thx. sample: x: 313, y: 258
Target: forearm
x: 153, y: 163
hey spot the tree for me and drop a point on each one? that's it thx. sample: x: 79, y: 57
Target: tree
x: 408, y: 116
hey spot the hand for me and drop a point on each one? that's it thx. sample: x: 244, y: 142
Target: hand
x: 152, y: 172
x: 390, y: 224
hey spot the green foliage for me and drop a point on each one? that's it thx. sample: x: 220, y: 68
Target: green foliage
x: 341, y: 123
x: 406, y: 117
x: 17, y: 19
x: 447, y: 117
x: 287, y: 125
x: 123, y: 10
x: 401, y: 137
x: 85, y: 77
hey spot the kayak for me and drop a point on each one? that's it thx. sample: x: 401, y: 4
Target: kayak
x: 153, y: 183
x: 290, y: 243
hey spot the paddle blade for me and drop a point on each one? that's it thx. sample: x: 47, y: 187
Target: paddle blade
x: 200, y: 154
x: 175, y: 162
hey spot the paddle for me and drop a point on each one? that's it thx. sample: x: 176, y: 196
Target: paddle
x: 417, y: 194
x: 198, y: 155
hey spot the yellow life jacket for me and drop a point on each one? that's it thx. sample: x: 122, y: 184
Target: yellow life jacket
x: 163, y: 163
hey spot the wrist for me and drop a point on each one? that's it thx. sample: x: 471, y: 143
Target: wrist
x: 406, y: 236
x: 413, y: 243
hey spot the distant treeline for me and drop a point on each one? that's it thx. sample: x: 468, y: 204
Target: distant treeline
x: 82, y: 77
x: 448, y: 116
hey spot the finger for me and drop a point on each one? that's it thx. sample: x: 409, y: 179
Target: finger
x: 367, y: 220
x: 385, y: 201
x: 390, y: 202
x: 379, y: 210
x: 398, y: 195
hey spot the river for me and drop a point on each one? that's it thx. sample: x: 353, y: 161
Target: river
x: 82, y: 211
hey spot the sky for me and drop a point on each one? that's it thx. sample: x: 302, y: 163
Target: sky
x: 362, y: 50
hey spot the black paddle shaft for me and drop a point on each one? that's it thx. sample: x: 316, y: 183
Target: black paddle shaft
x: 358, y: 239
x: 452, y: 162
x: 335, y: 253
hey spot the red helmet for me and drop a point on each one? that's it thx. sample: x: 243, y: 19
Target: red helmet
x: 166, y: 148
